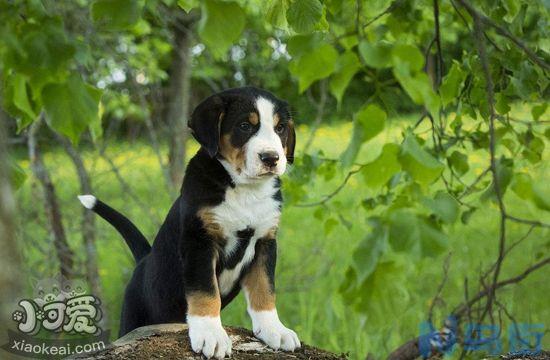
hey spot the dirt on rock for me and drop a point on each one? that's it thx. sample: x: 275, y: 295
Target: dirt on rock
x: 540, y: 355
x: 171, y: 341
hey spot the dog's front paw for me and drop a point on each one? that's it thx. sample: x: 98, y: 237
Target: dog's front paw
x: 208, y: 336
x: 268, y: 328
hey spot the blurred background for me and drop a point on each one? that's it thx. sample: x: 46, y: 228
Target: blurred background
x: 420, y: 182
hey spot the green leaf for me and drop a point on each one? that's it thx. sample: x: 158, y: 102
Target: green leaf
x: 381, y: 170
x: 329, y: 225
x: 432, y: 240
x: 367, y: 123
x: 451, y: 83
x: 505, y: 170
x: 315, y: 65
x: 221, y: 24
x: 524, y: 187
x: 346, y: 67
x: 368, y: 252
x: 375, y: 55
x: 304, y: 15
x: 408, y: 55
x: 541, y: 198
x: 502, y: 104
x: 534, y: 148
x: 383, y: 295
x: 404, y: 233
x: 71, y: 106
x: 466, y: 215
x: 444, y: 206
x: 415, y: 235
x: 459, y: 162
x: 419, y: 87
x: 188, y: 5
x: 299, y: 45
x: 276, y: 13
x: 21, y: 97
x: 422, y: 166
x: 115, y: 14
x: 17, y: 174
x: 538, y: 110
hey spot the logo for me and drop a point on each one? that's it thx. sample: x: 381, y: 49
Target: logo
x: 61, y: 319
x: 525, y: 339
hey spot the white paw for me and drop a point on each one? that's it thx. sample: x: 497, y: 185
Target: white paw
x: 208, y: 336
x: 268, y: 328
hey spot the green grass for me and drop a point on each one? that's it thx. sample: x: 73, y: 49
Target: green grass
x: 311, y: 264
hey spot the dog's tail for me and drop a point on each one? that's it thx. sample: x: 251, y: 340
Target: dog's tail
x: 134, y: 238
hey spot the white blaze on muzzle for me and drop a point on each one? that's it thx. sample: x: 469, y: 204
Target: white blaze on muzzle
x: 263, y: 141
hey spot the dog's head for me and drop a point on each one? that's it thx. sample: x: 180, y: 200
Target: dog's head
x: 248, y: 129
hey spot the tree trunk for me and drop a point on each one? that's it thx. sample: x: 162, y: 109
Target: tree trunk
x: 88, y: 217
x: 320, y: 105
x: 11, y: 280
x: 178, y: 99
x: 51, y: 204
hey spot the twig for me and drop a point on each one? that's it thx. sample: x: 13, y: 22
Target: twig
x: 437, y: 297
x: 474, y: 183
x: 511, y: 247
x: 128, y: 190
x: 437, y: 39
x: 335, y: 192
x: 460, y: 310
x: 388, y: 10
x: 527, y: 222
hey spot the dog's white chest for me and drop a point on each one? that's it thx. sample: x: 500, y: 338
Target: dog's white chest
x: 245, y: 207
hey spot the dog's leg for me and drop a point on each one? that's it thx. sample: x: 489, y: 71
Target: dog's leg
x: 259, y: 288
x: 203, y: 312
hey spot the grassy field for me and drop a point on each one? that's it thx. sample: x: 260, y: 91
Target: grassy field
x: 311, y: 264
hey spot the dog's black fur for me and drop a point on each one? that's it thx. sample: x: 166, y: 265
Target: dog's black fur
x: 178, y: 262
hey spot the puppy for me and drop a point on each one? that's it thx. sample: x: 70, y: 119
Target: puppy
x: 219, y: 235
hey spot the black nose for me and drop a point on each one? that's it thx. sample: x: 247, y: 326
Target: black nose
x: 269, y: 158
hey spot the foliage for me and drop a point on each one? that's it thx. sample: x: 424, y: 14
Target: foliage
x: 455, y: 67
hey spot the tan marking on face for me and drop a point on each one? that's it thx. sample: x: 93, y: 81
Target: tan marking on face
x: 201, y: 303
x: 254, y: 118
x: 212, y: 227
x: 276, y: 120
x: 261, y: 294
x: 235, y: 156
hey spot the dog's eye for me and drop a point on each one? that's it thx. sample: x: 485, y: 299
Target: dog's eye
x: 280, y: 128
x: 245, y: 126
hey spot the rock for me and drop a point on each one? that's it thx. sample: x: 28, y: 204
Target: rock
x: 171, y: 341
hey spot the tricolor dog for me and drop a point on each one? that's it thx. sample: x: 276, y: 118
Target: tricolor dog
x: 219, y: 235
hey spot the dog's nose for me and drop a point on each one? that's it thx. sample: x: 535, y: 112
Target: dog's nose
x: 269, y: 158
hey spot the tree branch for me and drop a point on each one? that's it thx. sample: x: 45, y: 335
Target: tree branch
x: 505, y: 33
x: 327, y: 197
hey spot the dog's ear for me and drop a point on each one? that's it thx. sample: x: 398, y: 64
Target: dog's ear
x: 290, y: 142
x: 205, y: 123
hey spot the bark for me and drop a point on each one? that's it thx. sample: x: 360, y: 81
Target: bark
x: 51, y: 204
x: 179, y: 98
x: 88, y: 217
x: 10, y: 277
